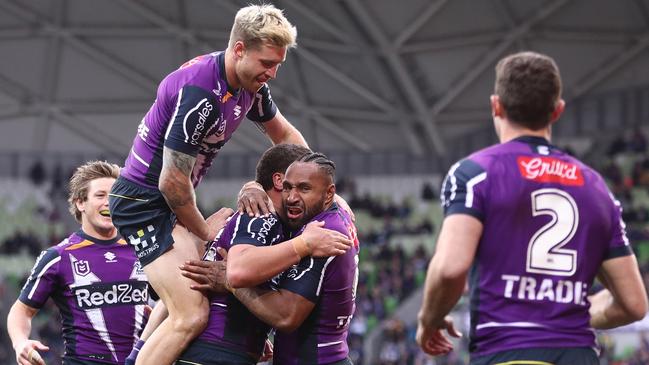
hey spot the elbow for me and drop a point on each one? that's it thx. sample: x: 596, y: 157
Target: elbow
x: 238, y: 278
x: 452, y: 273
x: 638, y: 310
x: 287, y: 324
x: 164, y: 185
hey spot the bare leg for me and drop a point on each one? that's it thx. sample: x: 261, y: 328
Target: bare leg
x: 188, y: 309
x: 156, y: 317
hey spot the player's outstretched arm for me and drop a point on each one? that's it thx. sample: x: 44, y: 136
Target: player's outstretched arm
x: 280, y: 130
x: 445, y: 279
x: 269, y: 261
x: 625, y: 300
x: 19, y: 326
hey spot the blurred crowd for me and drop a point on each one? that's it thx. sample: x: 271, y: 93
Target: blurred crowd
x: 389, y: 270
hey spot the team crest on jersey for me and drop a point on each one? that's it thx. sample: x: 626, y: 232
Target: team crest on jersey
x: 550, y: 170
x: 81, y: 267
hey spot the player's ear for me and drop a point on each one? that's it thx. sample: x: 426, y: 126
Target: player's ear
x: 278, y: 178
x: 239, y: 48
x: 558, y: 110
x: 80, y: 205
x: 496, y: 107
x: 330, y: 194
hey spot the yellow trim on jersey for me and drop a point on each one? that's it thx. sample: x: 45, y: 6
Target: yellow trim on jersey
x: 128, y: 197
x: 525, y: 362
x: 121, y: 241
x: 81, y: 244
x: 189, y: 362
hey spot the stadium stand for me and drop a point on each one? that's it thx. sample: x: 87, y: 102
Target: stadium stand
x: 397, y: 219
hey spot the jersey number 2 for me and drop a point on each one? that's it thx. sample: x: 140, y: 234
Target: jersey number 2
x: 545, y: 252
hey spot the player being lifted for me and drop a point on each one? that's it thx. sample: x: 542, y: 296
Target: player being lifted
x: 196, y: 111
x: 536, y: 226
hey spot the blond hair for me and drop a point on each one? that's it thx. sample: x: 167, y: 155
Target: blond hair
x: 80, y: 181
x: 255, y: 25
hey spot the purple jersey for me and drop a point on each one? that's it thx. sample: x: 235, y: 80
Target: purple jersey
x: 330, y: 283
x: 231, y: 325
x: 100, y: 290
x: 549, y: 222
x: 195, y: 112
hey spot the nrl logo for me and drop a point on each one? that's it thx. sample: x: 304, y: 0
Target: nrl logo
x: 81, y: 267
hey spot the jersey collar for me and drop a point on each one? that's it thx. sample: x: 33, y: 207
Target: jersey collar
x: 85, y: 236
x: 220, y: 61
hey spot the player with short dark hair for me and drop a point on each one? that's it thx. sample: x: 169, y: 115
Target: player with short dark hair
x: 93, y: 277
x: 257, y: 252
x: 315, y: 299
x: 535, y: 226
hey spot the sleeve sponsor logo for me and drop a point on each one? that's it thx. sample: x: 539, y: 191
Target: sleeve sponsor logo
x: 203, y: 110
x: 111, y: 294
x: 260, y: 233
x: 550, y: 170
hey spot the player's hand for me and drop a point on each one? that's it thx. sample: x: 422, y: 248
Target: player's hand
x: 27, y: 353
x: 209, y: 276
x: 342, y: 203
x: 252, y: 199
x: 268, y: 351
x: 217, y: 221
x: 432, y: 340
x: 324, y: 242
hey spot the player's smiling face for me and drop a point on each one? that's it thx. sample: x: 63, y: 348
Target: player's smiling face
x: 257, y: 66
x: 304, y: 193
x: 95, y: 216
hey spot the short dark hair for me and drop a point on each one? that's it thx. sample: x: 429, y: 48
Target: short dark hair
x: 324, y: 163
x: 529, y: 87
x: 277, y: 159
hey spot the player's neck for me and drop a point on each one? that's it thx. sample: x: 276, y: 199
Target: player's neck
x: 230, y: 73
x: 99, y: 233
x: 508, y: 131
x: 275, y: 197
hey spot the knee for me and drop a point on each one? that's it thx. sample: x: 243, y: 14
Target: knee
x: 191, y: 324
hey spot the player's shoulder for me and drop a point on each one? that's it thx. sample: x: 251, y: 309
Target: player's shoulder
x: 334, y: 218
x: 244, y: 221
x: 197, y: 75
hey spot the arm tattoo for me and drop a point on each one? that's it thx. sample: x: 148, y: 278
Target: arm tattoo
x: 182, y: 161
x: 177, y: 168
x: 248, y: 295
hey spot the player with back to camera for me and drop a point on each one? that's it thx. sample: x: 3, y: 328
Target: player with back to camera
x: 535, y: 226
x: 93, y: 277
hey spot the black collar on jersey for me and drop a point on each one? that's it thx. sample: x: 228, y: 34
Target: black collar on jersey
x: 84, y: 235
x: 533, y: 140
x: 220, y: 61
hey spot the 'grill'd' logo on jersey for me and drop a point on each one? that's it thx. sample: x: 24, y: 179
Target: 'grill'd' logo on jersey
x: 108, y: 294
x: 548, y: 169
